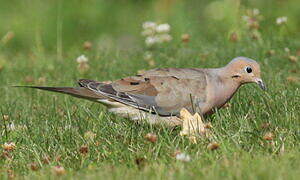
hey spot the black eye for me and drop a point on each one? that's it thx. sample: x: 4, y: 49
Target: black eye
x: 249, y: 69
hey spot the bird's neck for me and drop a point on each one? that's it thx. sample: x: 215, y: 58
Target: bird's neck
x: 226, y: 77
x: 225, y: 86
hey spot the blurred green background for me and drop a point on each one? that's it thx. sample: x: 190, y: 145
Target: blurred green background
x: 53, y: 24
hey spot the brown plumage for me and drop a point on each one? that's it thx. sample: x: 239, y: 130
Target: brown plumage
x: 158, y: 95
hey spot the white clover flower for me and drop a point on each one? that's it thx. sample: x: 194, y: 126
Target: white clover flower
x: 163, y: 28
x: 281, y: 20
x: 183, y: 157
x: 164, y: 38
x: 155, y: 34
x: 255, y: 12
x: 151, y: 40
x: 82, y: 59
x: 286, y: 49
x: 149, y: 25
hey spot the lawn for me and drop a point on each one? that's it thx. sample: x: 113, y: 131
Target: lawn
x: 47, y: 136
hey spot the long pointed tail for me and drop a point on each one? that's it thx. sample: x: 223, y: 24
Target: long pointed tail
x: 80, y: 92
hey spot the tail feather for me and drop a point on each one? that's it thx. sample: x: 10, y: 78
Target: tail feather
x: 80, y: 92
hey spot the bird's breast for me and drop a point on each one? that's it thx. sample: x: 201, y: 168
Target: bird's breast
x: 218, y: 95
x: 224, y: 94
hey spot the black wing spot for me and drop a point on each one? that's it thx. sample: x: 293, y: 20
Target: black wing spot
x: 235, y: 76
x: 134, y: 83
x: 147, y: 79
x: 175, y: 77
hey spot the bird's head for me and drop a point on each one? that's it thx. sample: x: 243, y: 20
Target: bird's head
x: 245, y: 70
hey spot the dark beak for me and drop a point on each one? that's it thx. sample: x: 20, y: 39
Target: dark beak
x: 261, y: 84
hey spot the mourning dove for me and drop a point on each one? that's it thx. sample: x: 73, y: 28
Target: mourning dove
x: 158, y: 95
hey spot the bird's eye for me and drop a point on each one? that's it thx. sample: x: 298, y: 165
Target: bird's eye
x: 249, y: 69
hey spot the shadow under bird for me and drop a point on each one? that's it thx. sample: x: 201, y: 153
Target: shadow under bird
x: 157, y: 96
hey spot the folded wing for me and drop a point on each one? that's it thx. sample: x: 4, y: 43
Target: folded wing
x: 161, y: 91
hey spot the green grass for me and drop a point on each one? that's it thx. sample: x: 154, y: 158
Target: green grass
x: 47, y: 40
